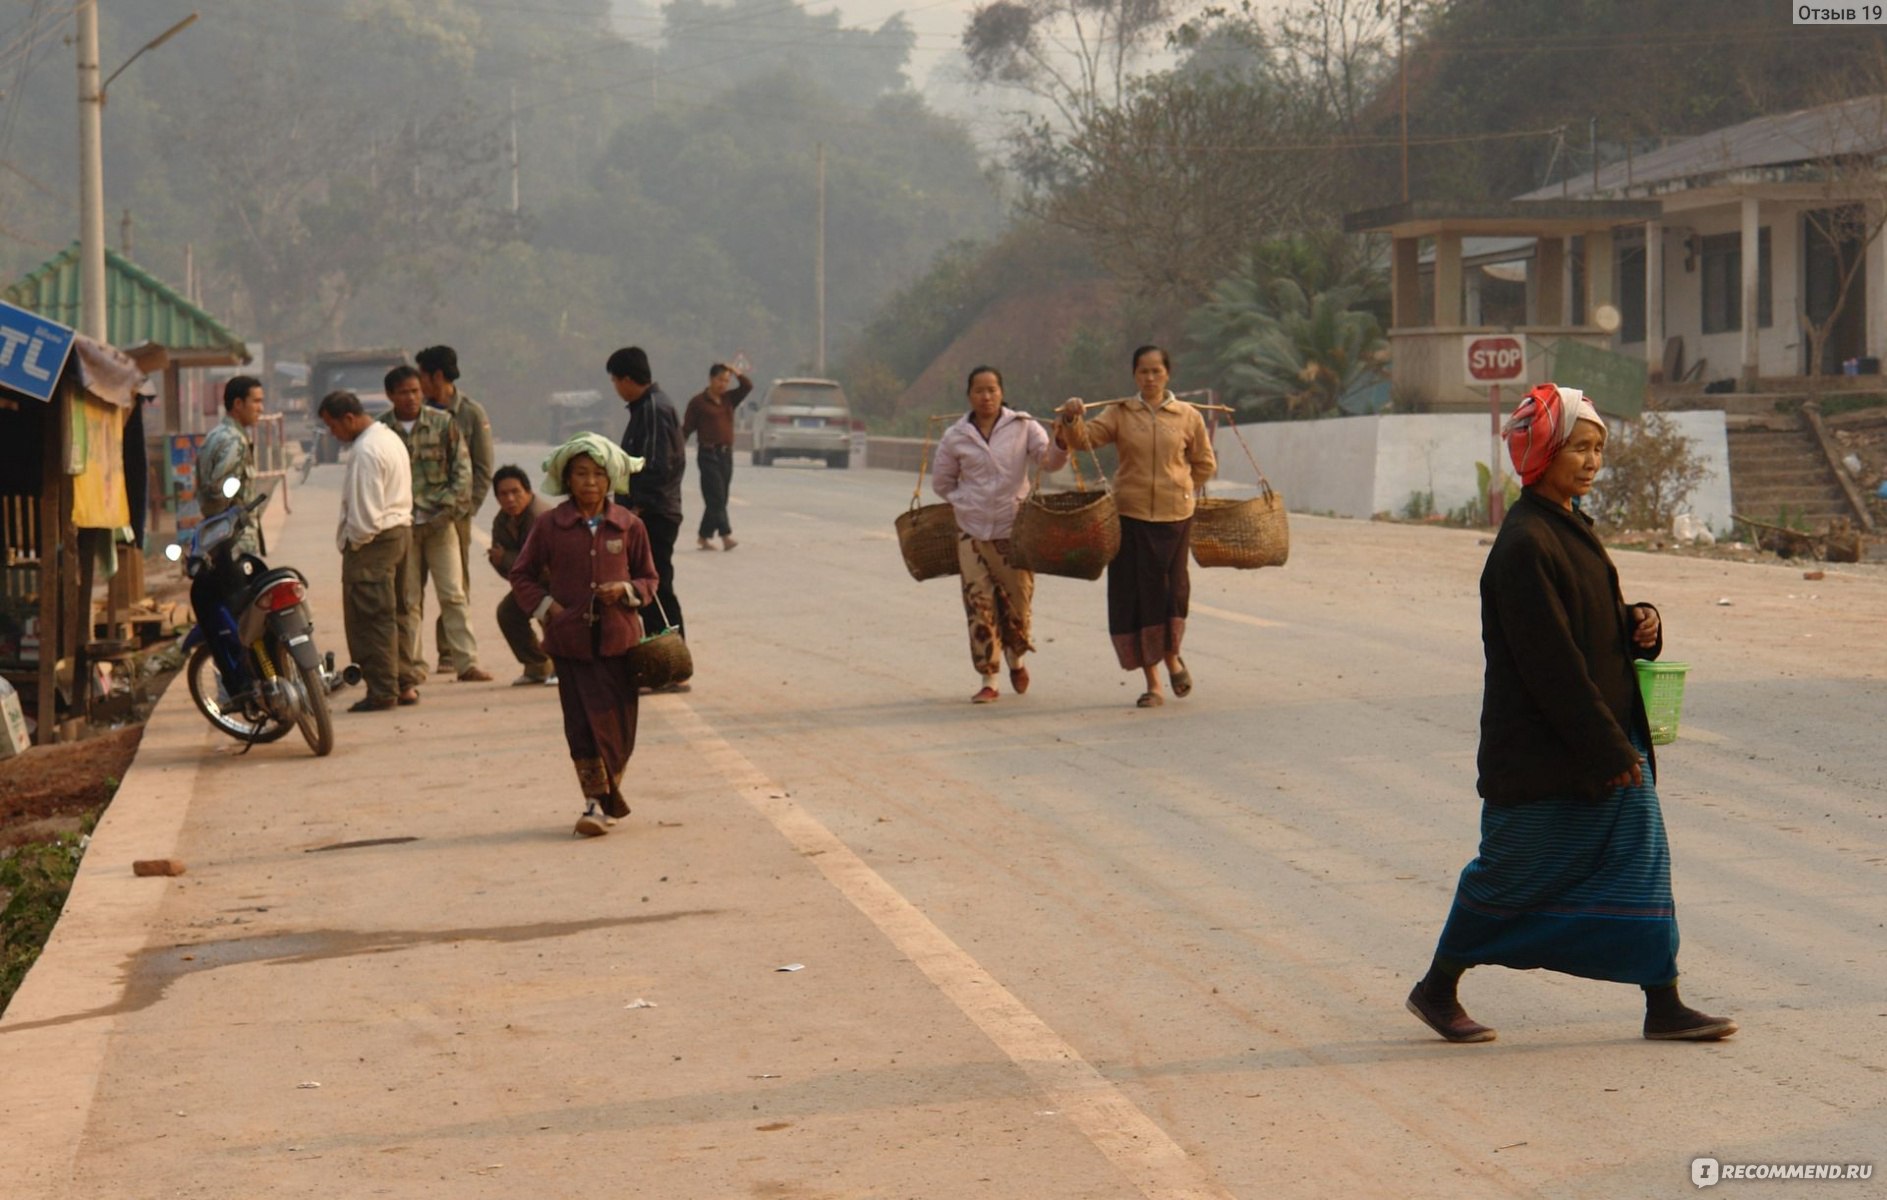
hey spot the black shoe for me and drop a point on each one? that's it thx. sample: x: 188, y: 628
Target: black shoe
x: 1450, y: 1021
x: 1688, y: 1026
x: 371, y: 705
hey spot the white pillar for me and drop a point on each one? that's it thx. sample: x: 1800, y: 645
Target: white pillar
x: 1752, y: 249
x: 1654, y: 296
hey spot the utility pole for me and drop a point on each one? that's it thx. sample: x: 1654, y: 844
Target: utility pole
x: 92, y: 321
x: 819, y: 265
x: 1402, y: 66
x: 1592, y: 141
x: 514, y: 149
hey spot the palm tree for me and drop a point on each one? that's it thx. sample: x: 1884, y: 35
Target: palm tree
x: 1290, y: 331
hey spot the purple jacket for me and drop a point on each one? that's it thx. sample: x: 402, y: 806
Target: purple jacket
x: 562, y: 544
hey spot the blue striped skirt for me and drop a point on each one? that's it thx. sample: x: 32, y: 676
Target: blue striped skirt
x: 1572, y: 886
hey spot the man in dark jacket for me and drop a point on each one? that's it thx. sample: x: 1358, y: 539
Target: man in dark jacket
x: 653, y: 435
x: 518, y: 510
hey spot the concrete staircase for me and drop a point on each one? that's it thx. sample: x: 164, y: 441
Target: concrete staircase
x: 1776, y: 465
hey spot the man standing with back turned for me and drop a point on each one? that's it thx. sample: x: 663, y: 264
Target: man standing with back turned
x: 653, y: 435
x: 710, y: 418
x: 376, y: 528
x: 439, y: 380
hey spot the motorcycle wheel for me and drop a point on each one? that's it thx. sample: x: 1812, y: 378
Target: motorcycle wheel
x: 315, y: 723
x: 204, y: 678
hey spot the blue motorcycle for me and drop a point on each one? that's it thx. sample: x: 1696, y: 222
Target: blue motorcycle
x: 251, y: 660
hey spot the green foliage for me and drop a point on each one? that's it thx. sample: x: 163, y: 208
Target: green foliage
x: 1844, y: 402
x: 1291, y: 331
x: 34, y: 879
x: 1474, y: 514
x: 1650, y: 470
x: 1419, y: 506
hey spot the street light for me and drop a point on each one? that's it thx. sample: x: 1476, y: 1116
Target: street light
x: 92, y: 321
x: 153, y: 44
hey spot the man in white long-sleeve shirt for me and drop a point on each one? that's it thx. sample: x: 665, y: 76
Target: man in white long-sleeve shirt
x: 375, y: 535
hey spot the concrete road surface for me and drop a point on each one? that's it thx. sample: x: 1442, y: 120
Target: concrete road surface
x: 1051, y: 948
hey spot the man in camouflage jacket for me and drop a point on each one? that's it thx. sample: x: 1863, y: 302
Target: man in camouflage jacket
x: 442, y: 493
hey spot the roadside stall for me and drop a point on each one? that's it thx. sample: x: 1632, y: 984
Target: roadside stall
x: 72, y: 470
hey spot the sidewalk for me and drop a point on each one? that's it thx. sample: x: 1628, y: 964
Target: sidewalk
x: 394, y: 972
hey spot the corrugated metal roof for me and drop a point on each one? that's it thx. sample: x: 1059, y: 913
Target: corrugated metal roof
x: 1857, y: 126
x: 139, y: 307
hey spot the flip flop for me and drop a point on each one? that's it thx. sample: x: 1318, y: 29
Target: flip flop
x: 1181, y: 680
x: 1150, y: 700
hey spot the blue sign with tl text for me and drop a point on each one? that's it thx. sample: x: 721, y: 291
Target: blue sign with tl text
x: 33, y: 351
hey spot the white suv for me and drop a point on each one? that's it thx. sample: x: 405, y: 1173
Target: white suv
x: 803, y: 418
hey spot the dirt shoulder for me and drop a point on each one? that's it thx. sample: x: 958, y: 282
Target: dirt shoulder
x: 50, y: 790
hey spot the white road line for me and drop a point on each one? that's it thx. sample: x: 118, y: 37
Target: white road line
x: 1226, y: 614
x: 1157, y: 1166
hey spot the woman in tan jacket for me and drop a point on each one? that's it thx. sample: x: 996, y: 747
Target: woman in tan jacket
x: 1165, y: 458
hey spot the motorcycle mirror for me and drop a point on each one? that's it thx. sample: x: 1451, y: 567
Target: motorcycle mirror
x: 231, y: 486
x: 173, y: 552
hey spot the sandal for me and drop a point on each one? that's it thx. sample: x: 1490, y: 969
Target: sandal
x: 1019, y: 679
x: 1181, y: 679
x: 986, y: 696
x: 1150, y: 700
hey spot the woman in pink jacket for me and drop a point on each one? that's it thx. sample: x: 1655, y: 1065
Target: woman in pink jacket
x: 584, y: 572
x: 982, y: 469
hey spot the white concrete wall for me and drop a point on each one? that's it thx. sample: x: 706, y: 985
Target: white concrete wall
x: 1319, y: 466
x: 1361, y: 466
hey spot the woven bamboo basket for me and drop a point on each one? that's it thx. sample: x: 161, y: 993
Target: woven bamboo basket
x: 927, y: 537
x: 662, y: 659
x: 1244, y: 534
x: 1075, y: 534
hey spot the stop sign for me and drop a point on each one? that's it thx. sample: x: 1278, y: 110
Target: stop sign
x: 1495, y: 358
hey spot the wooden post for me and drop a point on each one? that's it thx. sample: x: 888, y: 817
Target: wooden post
x: 1550, y: 291
x: 1405, y: 282
x: 1447, y: 279
x: 51, y: 483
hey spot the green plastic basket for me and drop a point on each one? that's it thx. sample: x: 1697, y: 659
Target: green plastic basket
x: 1662, y: 684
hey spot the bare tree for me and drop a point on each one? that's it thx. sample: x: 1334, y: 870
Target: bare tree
x: 1075, y: 56
x: 1847, y: 230
x: 1336, y: 54
x: 1846, y: 163
x: 1175, y: 184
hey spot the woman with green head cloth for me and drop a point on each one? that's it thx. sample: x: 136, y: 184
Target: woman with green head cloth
x: 584, y: 572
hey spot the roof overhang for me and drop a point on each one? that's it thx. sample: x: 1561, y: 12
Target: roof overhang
x: 1503, y: 218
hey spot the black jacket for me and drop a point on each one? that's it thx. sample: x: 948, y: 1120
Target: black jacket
x: 1561, y: 689
x: 654, y: 434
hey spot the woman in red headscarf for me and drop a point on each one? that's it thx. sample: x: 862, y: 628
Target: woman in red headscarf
x: 1574, y: 873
